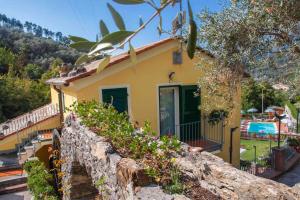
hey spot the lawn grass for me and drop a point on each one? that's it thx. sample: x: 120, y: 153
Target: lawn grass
x: 262, y: 148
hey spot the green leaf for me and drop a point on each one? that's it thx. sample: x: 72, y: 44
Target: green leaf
x: 100, y: 47
x: 128, y: 2
x: 132, y: 54
x: 192, y: 39
x: 117, y: 17
x: 103, y: 63
x: 77, y: 39
x: 103, y: 28
x: 116, y: 37
x: 162, y: 2
x: 190, y: 11
x: 82, y: 59
x: 83, y: 45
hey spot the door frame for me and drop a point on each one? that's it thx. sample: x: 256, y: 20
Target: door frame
x: 177, y: 104
x: 101, y: 88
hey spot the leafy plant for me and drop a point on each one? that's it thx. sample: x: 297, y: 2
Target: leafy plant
x: 176, y: 186
x: 39, y: 181
x: 216, y: 116
x: 152, y: 152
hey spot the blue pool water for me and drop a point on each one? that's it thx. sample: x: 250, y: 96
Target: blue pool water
x: 262, y: 128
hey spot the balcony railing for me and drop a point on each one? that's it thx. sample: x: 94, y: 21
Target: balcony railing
x: 28, y: 119
x: 205, y: 134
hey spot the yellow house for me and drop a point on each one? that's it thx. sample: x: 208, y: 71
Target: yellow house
x: 159, y: 88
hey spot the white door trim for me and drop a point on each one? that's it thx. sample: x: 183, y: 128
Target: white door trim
x: 176, y: 96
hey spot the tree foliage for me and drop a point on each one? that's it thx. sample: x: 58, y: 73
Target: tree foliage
x: 252, y: 34
x: 252, y: 93
x: 33, y: 29
x: 26, y: 62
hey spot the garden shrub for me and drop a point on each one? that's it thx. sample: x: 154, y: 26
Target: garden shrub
x: 154, y: 153
x: 39, y: 181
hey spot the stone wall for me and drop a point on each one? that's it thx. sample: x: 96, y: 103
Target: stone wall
x: 88, y: 158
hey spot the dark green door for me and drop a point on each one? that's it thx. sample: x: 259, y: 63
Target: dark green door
x: 118, y: 97
x: 190, y: 125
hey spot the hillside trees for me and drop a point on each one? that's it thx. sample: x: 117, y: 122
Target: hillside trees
x: 32, y: 28
x: 26, y: 62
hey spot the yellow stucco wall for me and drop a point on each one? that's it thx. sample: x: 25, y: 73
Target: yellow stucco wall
x: 69, y: 97
x: 9, y: 143
x: 143, y: 80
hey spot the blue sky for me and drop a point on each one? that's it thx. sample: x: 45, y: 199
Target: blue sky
x: 81, y: 17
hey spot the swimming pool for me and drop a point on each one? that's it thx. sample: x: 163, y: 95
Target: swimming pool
x: 262, y: 128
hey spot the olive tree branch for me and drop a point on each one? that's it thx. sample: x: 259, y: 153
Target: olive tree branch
x: 156, y: 13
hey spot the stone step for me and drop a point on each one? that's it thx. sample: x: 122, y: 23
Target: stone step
x: 13, y: 188
x: 13, y: 181
x: 10, y: 167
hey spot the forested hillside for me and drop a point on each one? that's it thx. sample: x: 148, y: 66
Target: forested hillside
x: 29, y: 55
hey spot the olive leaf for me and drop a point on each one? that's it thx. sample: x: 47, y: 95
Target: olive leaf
x: 116, y: 37
x: 128, y: 2
x: 82, y: 59
x: 117, y: 17
x: 100, y: 47
x: 83, y: 45
x: 76, y: 39
x: 192, y: 39
x: 191, y: 15
x: 192, y: 36
x: 103, y: 28
x: 132, y: 53
x: 103, y: 63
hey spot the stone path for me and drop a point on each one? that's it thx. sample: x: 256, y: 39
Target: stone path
x: 25, y: 195
x: 292, y: 177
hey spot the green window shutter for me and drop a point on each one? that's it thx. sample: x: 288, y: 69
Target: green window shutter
x: 118, y: 97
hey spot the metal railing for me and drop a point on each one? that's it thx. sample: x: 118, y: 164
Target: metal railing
x: 28, y: 119
x: 36, y: 135
x: 208, y: 133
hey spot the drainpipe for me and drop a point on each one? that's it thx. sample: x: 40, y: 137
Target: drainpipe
x: 61, y: 112
x: 230, y: 147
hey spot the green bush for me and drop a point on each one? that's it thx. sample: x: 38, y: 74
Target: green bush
x: 293, y: 109
x: 153, y: 152
x: 40, y: 181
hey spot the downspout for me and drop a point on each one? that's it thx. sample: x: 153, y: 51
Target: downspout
x: 231, y: 145
x: 61, y: 112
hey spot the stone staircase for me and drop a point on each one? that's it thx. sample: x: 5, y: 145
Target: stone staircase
x: 29, y: 149
x: 15, y: 184
x: 28, y: 119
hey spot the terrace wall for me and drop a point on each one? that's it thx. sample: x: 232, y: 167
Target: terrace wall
x: 88, y: 158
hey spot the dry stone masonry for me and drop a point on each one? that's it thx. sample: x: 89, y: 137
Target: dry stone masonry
x: 93, y: 170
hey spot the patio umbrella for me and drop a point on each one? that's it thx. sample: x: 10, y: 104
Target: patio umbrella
x: 269, y: 110
x: 243, y: 112
x: 252, y: 110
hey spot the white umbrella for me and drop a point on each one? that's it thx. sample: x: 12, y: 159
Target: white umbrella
x: 252, y: 110
x: 269, y: 110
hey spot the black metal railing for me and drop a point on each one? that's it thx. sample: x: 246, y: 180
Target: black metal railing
x: 207, y: 133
